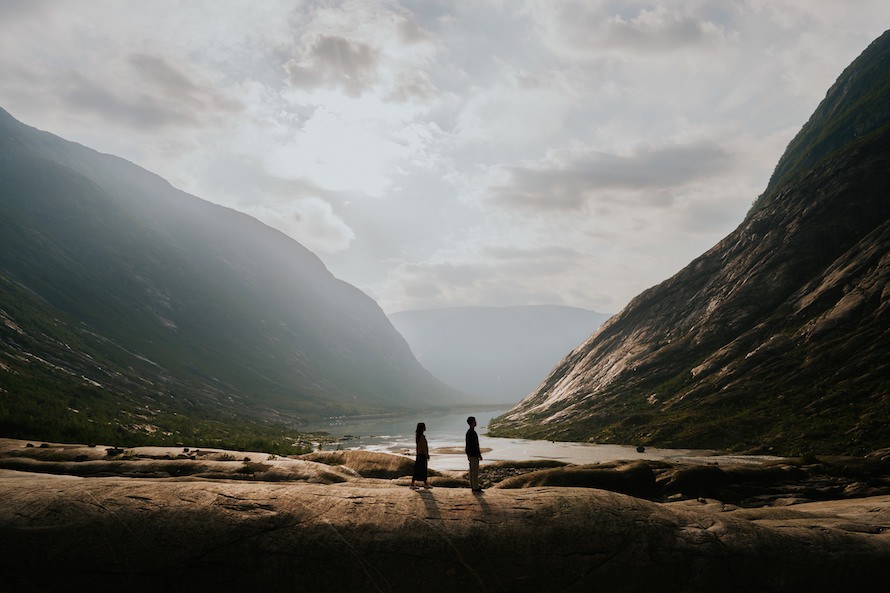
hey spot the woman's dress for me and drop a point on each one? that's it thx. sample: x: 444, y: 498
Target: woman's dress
x: 421, y: 461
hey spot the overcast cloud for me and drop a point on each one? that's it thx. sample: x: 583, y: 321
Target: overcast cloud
x: 448, y: 153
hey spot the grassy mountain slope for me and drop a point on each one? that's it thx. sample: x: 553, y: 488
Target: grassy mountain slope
x: 854, y: 108
x: 211, y: 314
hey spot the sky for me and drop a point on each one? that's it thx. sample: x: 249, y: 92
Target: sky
x: 439, y: 154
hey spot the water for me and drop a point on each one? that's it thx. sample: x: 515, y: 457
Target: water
x: 445, y: 434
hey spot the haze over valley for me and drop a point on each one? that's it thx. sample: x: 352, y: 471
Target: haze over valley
x: 499, y: 354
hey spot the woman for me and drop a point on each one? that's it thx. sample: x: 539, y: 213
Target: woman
x: 423, y: 456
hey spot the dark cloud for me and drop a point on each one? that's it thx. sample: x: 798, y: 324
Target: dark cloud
x: 413, y: 86
x: 626, y: 27
x: 12, y: 9
x: 158, y: 96
x: 138, y: 112
x: 411, y: 32
x: 158, y: 74
x: 673, y: 33
x: 335, y: 62
x: 570, y: 185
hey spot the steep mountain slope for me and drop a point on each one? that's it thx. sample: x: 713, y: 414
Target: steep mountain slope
x: 778, y: 338
x: 500, y: 353
x: 118, y: 288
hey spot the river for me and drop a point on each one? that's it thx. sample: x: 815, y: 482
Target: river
x: 445, y: 435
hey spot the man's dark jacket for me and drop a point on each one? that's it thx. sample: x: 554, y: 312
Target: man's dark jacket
x: 472, y: 447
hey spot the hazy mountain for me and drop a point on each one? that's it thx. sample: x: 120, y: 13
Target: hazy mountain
x: 779, y: 336
x: 124, y: 301
x: 500, y: 353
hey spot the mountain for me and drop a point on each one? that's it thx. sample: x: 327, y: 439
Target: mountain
x: 128, y: 306
x: 499, y: 353
x: 778, y: 338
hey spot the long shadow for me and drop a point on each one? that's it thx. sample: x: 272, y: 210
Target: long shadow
x: 432, y: 507
x: 480, y: 498
x: 432, y: 511
x: 430, y: 504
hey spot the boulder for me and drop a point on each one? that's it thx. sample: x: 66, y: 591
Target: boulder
x: 368, y: 464
x: 636, y: 478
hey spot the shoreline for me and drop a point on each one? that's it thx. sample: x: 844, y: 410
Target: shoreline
x: 651, y: 474
x: 445, y: 434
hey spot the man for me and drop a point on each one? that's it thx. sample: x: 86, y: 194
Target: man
x: 474, y: 454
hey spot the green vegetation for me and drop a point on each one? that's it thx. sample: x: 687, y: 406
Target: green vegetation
x: 855, y: 109
x: 133, y: 313
x: 52, y: 388
x: 36, y: 418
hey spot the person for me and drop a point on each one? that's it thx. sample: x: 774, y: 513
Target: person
x: 421, y: 462
x: 474, y: 454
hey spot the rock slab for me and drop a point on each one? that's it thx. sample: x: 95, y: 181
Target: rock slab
x: 124, y: 534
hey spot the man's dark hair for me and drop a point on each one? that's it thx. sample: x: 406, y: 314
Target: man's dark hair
x: 471, y: 419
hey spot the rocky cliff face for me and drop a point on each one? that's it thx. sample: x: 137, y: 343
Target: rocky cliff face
x: 778, y: 337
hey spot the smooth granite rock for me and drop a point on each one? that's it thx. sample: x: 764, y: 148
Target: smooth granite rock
x: 61, y: 532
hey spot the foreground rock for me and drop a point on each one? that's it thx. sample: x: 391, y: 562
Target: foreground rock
x: 189, y: 534
x: 152, y: 518
x: 776, y: 482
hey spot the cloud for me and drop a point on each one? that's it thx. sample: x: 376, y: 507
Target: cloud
x: 362, y: 48
x: 455, y: 283
x: 590, y: 30
x: 571, y: 183
x: 138, y: 91
x: 500, y: 276
x: 514, y: 115
x: 164, y: 96
x: 412, y: 86
x: 341, y: 150
x: 658, y: 30
x: 13, y: 9
x: 136, y: 112
x: 296, y: 207
x: 332, y: 61
x: 311, y: 221
x: 485, y: 261
x: 411, y: 32
x: 187, y: 92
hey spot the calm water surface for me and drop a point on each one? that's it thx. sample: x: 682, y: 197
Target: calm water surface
x: 445, y: 435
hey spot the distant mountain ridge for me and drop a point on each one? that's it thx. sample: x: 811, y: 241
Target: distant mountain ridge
x: 778, y: 338
x: 498, y: 353
x: 137, y: 306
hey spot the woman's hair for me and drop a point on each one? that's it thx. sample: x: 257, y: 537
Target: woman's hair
x: 421, y: 427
